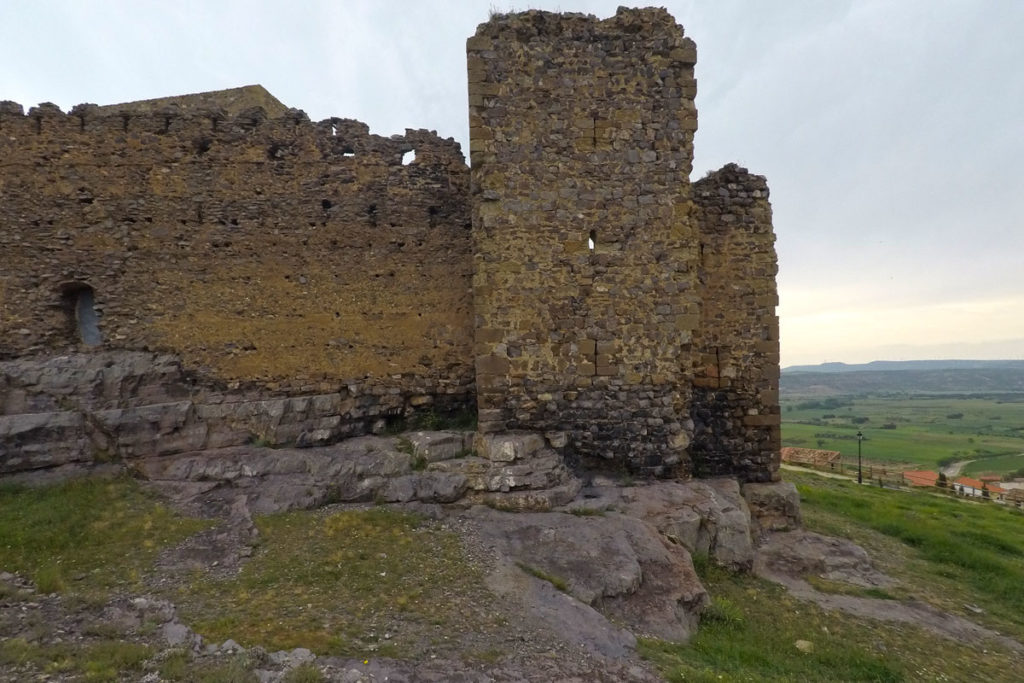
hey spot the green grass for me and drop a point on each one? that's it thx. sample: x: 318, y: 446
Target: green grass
x: 329, y: 582
x: 751, y: 630
x: 304, y: 673
x: 87, y: 535
x: 556, y: 581
x: 920, y: 431
x: 952, y: 552
x: 945, y: 551
x: 100, y: 661
x: 1000, y: 464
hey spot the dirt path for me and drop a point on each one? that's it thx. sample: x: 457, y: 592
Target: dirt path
x: 954, y: 469
x: 820, y: 473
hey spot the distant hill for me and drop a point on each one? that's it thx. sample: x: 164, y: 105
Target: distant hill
x: 910, y: 377
x: 887, y: 365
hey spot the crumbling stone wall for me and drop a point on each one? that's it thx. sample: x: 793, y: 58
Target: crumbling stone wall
x: 581, y: 132
x: 735, y: 405
x: 193, y: 272
x: 277, y: 255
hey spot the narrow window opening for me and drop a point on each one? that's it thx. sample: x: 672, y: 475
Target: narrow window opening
x: 202, y: 146
x: 348, y: 152
x: 592, y: 240
x: 124, y: 124
x: 39, y: 125
x: 408, y: 158
x: 334, y: 129
x: 79, y: 303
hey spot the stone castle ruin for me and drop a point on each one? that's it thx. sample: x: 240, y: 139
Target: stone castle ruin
x: 209, y: 271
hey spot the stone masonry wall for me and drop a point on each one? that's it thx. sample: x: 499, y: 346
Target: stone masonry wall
x: 192, y: 273
x: 582, y: 130
x: 735, y: 404
x: 276, y: 255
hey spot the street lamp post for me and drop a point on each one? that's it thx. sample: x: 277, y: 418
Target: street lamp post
x: 860, y: 476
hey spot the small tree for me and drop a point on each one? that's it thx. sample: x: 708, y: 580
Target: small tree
x: 984, y: 490
x: 942, y: 482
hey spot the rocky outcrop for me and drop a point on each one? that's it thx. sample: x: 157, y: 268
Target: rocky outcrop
x: 800, y: 553
x: 619, y: 565
x: 773, y: 507
x: 121, y: 405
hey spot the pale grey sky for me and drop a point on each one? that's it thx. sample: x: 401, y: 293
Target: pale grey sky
x: 891, y: 133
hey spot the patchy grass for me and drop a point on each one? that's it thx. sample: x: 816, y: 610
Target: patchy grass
x: 751, y: 630
x: 174, y: 665
x: 840, y: 588
x: 587, y: 512
x: 948, y: 551
x: 331, y: 583
x: 304, y: 673
x: 101, y: 661
x: 234, y: 669
x: 86, y: 536
x: 556, y: 581
x: 944, y: 551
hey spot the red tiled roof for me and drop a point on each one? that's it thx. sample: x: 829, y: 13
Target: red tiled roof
x: 967, y: 481
x: 921, y: 477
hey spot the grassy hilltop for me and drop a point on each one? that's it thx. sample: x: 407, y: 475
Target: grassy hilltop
x: 335, y: 581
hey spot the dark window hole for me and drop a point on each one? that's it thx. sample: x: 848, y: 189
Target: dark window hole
x: 202, y: 146
x: 326, y: 204
x: 79, y: 303
x: 592, y: 241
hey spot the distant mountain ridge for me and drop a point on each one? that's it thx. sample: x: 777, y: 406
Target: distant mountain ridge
x: 895, y: 365
x: 906, y: 377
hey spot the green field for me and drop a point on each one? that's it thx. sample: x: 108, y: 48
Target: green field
x: 921, y: 431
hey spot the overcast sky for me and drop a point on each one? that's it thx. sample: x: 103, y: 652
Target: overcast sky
x: 891, y: 132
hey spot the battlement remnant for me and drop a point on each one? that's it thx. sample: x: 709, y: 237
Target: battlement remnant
x: 301, y: 282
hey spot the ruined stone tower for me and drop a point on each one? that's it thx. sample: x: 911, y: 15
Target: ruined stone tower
x: 603, y: 294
